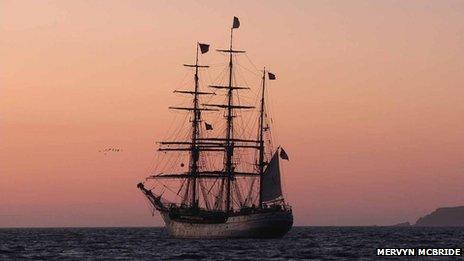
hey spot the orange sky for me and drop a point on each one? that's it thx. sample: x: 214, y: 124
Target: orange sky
x: 369, y: 103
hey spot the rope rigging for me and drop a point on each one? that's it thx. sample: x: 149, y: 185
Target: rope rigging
x: 244, y: 192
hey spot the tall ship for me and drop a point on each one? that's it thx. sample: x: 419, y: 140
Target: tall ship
x: 230, y: 184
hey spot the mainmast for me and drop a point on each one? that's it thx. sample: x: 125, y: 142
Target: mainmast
x: 229, y: 139
x: 230, y: 127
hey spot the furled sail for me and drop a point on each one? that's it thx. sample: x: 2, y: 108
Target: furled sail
x: 271, y: 180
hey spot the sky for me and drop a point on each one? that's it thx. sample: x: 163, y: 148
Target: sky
x: 369, y: 103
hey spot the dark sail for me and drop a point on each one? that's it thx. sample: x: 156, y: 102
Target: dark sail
x: 271, y: 180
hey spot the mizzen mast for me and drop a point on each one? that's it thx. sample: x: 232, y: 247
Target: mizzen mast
x: 261, y: 161
x: 261, y: 140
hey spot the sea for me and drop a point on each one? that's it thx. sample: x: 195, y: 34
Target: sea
x: 151, y: 243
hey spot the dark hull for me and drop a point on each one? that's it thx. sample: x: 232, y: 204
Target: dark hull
x: 267, y: 224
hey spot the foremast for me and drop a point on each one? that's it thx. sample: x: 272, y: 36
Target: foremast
x: 194, y: 149
x: 194, y: 152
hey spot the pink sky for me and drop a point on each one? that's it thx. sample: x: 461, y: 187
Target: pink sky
x: 369, y: 103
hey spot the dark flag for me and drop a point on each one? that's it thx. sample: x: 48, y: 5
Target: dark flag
x: 271, y: 76
x: 236, y: 23
x: 204, y: 48
x: 208, y: 126
x: 283, y: 154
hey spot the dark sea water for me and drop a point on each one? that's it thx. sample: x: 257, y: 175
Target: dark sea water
x: 324, y: 243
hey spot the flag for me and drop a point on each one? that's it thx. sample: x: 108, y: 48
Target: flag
x: 208, y: 126
x: 283, y: 154
x: 236, y: 23
x: 204, y: 48
x: 271, y: 76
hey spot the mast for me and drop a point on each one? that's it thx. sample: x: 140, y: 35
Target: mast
x: 230, y: 129
x: 261, y: 141
x: 229, y: 137
x: 198, y: 144
x: 195, y: 144
x: 194, y: 148
x: 194, y: 153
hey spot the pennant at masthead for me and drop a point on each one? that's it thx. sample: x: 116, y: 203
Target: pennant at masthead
x: 236, y: 23
x: 271, y: 76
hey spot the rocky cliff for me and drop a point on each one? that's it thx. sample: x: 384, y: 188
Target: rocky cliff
x: 443, y: 217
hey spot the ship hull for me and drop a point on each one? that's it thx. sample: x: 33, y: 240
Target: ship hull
x: 272, y: 224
